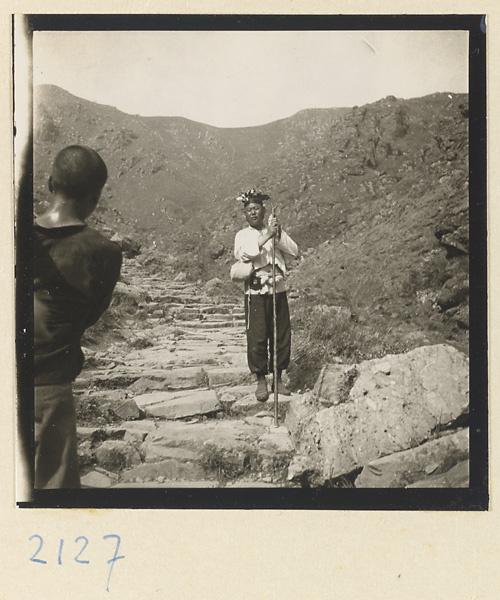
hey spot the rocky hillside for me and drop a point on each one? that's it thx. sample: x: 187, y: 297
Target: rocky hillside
x: 164, y: 171
x: 376, y: 196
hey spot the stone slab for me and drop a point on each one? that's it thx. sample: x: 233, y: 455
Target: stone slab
x: 456, y: 477
x: 229, y: 376
x: 174, y: 379
x: 156, y: 452
x: 266, y: 421
x: 170, y: 484
x: 249, y: 405
x: 171, y: 406
x: 404, y: 468
x: 277, y: 441
x: 228, y: 434
x: 211, y: 325
x: 164, y: 470
x: 253, y: 484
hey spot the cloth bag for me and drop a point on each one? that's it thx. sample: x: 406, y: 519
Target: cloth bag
x: 241, y: 271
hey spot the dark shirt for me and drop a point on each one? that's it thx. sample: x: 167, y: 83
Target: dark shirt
x: 75, y: 272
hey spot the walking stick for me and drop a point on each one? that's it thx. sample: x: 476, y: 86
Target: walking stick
x: 275, y: 331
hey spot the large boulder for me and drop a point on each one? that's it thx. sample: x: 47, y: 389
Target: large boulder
x: 394, y: 404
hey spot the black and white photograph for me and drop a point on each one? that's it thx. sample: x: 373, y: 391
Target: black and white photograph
x: 255, y: 265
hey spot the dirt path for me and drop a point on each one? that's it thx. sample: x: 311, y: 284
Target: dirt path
x: 178, y: 410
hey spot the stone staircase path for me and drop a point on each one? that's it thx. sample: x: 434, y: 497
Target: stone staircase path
x: 179, y: 396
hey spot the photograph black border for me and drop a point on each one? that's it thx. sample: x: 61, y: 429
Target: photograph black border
x: 474, y: 498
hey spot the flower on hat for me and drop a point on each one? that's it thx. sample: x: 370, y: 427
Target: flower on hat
x: 251, y: 194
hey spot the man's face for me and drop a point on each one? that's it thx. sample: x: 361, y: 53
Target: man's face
x: 254, y: 213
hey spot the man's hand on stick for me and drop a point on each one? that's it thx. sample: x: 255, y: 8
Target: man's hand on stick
x: 274, y: 226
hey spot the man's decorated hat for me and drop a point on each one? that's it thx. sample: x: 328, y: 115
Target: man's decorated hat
x: 252, y: 195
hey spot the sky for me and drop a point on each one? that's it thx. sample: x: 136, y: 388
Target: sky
x: 240, y: 79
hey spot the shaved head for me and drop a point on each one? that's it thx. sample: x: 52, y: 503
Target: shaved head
x: 78, y: 171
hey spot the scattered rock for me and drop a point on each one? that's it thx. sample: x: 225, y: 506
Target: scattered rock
x: 96, y: 480
x: 454, y: 292
x: 136, y: 431
x: 85, y: 453
x: 213, y: 286
x: 229, y: 395
x: 128, y: 296
x: 125, y: 408
x: 130, y: 247
x: 461, y: 316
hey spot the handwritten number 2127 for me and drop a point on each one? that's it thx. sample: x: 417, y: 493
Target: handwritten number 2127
x: 78, y: 558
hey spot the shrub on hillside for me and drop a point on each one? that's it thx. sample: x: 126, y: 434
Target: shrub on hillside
x: 323, y: 334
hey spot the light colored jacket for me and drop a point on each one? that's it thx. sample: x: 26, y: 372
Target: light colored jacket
x: 246, y: 249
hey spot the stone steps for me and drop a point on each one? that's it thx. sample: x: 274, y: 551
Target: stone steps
x: 179, y: 299
x: 199, y: 423
x: 211, y: 324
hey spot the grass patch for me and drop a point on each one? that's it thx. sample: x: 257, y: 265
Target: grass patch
x: 92, y: 413
x: 320, y: 336
x: 225, y: 465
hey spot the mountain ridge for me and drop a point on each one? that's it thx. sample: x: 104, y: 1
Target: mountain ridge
x: 375, y: 195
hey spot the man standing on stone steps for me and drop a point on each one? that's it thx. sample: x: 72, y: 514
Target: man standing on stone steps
x: 253, y: 248
x: 75, y: 272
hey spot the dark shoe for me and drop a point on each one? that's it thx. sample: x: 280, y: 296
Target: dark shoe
x: 261, y: 392
x: 282, y: 389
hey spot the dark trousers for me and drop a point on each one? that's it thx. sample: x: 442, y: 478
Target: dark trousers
x: 259, y: 320
x: 56, y: 458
